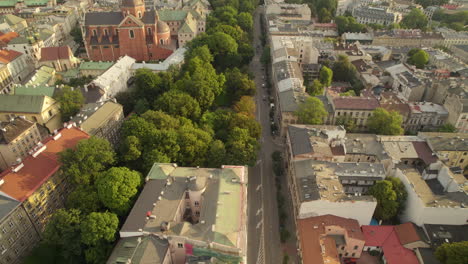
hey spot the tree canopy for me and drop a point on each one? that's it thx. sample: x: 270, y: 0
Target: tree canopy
x: 70, y: 100
x: 97, y: 227
x: 343, y: 69
x: 312, y: 112
x: 87, y: 160
x: 117, y: 187
x: 415, y: 19
x: 453, y: 253
x: 387, y: 204
x: 418, y: 57
x: 383, y: 122
x: 316, y: 88
x: 325, y: 76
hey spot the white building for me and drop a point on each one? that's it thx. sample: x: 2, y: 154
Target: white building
x: 406, y: 83
x: 17, y: 63
x: 437, y: 196
x: 175, y: 59
x: 114, y: 80
x: 375, y: 15
x: 425, y: 115
x: 320, y: 188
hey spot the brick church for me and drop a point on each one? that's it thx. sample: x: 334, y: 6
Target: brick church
x: 141, y: 33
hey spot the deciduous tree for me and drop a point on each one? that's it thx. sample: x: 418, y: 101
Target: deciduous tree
x: 85, y: 199
x: 99, y: 227
x: 70, y: 100
x: 87, y: 160
x: 326, y: 75
x: 311, y: 112
x: 387, y: 205
x: 246, y: 105
x: 453, y: 253
x: 383, y: 122
x: 178, y: 103
x: 415, y: 19
x: 116, y: 188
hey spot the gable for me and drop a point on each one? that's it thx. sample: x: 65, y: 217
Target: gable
x: 131, y: 21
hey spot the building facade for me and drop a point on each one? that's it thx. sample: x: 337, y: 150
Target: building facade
x: 375, y: 15
x: 6, y: 80
x: 17, y: 64
x: 59, y: 58
x: 17, y: 138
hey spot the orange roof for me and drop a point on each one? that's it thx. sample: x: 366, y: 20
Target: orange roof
x: 407, y: 232
x: 7, y: 37
x: 21, y: 184
x: 312, y: 231
x: 7, y: 56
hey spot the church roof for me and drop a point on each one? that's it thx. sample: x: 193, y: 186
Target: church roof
x: 185, y: 28
x: 103, y: 18
x: 172, y: 15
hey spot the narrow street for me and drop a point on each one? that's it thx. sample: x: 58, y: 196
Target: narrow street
x: 263, y: 230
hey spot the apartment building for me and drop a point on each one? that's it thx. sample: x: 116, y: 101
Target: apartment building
x: 41, y: 109
x: 450, y: 148
x: 6, y: 80
x: 329, y: 239
x: 17, y: 137
x: 188, y: 214
x: 102, y: 120
x: 29, y: 45
x: 375, y: 15
x: 407, y: 38
x: 410, y: 151
x: 425, y: 116
x: 59, y: 58
x: 33, y: 190
x: 357, y: 109
x: 406, y: 83
x: 17, y: 64
x: 320, y: 188
x: 433, y: 195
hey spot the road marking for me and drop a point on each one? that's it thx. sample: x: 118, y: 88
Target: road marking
x: 258, y: 161
x: 259, y: 223
x: 259, y: 211
x: 258, y: 187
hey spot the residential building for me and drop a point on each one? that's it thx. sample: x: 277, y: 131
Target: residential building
x: 36, y: 108
x: 321, y: 188
x: 389, y: 240
x: 17, y: 64
x: 6, y: 80
x: 452, y: 37
x: 37, y: 188
x: 439, y: 234
x: 19, y: 236
x: 450, y: 148
x: 375, y: 15
x: 34, y: 90
x: 460, y: 51
x: 12, y: 6
x: 17, y: 137
x: 17, y: 24
x: 102, y: 120
x: 197, y: 213
x: 457, y: 107
x: 94, y: 68
x: 355, y: 108
x: 44, y: 76
x: 30, y: 45
x: 410, y: 151
x: 406, y: 83
x: 433, y: 195
x: 59, y: 58
x: 329, y: 239
x: 5, y: 38
x: 362, y: 38
x: 107, y: 35
x: 289, y: 11
x: 366, y: 148
x: 114, y: 80
x: 425, y: 116
x: 407, y: 38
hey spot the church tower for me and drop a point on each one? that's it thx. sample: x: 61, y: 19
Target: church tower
x: 133, y: 7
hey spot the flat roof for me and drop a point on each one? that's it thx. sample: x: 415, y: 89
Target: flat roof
x: 92, y: 116
x: 446, y: 141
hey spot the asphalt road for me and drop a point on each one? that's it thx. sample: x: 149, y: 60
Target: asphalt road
x: 263, y: 228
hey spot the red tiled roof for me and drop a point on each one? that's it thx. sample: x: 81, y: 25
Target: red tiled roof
x: 36, y: 171
x: 311, y: 230
x: 403, y: 109
x: 7, y: 56
x: 356, y: 103
x: 55, y: 53
x: 424, y: 152
x: 406, y: 233
x: 386, y: 238
x: 7, y: 37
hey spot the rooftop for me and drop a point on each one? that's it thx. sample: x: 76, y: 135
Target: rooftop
x: 222, y: 214
x: 55, y: 53
x: 306, y: 139
x: 9, y: 131
x: 96, y: 65
x: 446, y: 141
x: 318, y: 246
x: 7, y: 56
x: 34, y: 90
x: 21, y: 181
x: 108, y: 77
x: 321, y: 179
x: 367, y: 144
x: 23, y: 103
x: 439, y: 234
x: 355, y: 103
x: 92, y: 116
x: 7, y: 205
x: 7, y: 37
x: 137, y: 249
x: 175, y: 58
x: 386, y: 237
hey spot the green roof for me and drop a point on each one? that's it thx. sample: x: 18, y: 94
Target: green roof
x: 21, y: 103
x: 5, y: 3
x: 185, y: 28
x: 11, y: 19
x: 195, y: 14
x: 72, y: 73
x: 96, y: 65
x: 45, y: 34
x: 38, y: 90
x: 19, y: 40
x: 172, y: 15
x: 42, y: 76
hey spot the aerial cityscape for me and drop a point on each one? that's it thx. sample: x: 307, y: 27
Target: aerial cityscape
x: 234, y: 131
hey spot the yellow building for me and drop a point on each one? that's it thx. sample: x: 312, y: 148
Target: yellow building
x: 6, y: 81
x: 30, y: 193
x: 17, y: 138
x: 36, y: 108
x: 451, y: 148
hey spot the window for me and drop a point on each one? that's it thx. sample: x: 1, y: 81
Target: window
x: 106, y: 32
x: 342, y: 248
x: 4, y: 230
x: 187, y: 195
x: 464, y: 154
x: 3, y: 248
x: 50, y: 112
x: 17, y: 233
x: 94, y: 32
x: 10, y: 224
x: 149, y: 31
x: 346, y: 254
x: 16, y: 251
x: 461, y: 161
x: 162, y: 41
x: 11, y: 240
x: 197, y: 204
x: 132, y: 34
x: 197, y: 213
x: 355, y: 247
x: 139, y: 14
x: 354, y: 254
x: 180, y: 245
